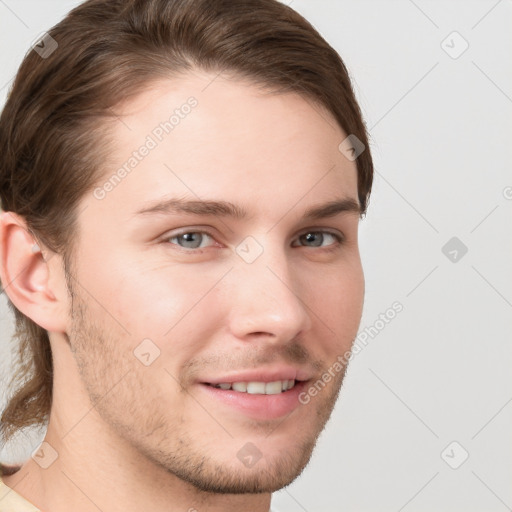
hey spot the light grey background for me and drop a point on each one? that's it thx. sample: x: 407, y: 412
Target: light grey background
x: 439, y: 372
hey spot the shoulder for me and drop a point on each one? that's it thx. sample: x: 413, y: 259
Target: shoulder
x: 10, y: 500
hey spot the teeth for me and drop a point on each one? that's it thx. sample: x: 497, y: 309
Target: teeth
x: 239, y: 386
x: 258, y: 388
x: 273, y: 388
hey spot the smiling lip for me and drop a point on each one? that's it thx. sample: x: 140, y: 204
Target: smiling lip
x: 262, y: 375
x: 253, y: 401
x: 258, y: 406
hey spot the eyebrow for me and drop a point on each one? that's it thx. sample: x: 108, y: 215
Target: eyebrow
x: 228, y: 209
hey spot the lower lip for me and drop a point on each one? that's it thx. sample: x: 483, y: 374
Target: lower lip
x: 260, y: 407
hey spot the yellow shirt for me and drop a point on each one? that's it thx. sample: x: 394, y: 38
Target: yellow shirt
x: 11, y: 501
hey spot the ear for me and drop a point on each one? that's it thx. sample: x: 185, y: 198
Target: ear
x: 25, y: 275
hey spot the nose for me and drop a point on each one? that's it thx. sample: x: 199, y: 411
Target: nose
x: 267, y: 301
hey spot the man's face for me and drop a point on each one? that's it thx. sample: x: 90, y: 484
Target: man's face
x: 171, y: 308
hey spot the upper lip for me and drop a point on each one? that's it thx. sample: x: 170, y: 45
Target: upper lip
x: 262, y: 375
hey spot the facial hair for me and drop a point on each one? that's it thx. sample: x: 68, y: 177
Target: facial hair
x: 114, y: 381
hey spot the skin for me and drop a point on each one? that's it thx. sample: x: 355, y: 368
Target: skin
x: 132, y: 437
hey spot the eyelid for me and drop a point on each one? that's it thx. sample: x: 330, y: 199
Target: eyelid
x: 330, y: 231
x: 173, y: 234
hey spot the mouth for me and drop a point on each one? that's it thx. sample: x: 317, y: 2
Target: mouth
x: 257, y: 387
x: 252, y: 397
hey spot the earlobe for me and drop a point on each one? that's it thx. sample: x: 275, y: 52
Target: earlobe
x: 25, y: 275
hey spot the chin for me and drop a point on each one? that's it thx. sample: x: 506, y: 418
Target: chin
x: 265, y: 476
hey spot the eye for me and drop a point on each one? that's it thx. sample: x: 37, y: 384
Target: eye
x: 191, y: 239
x: 198, y: 239
x: 316, y: 238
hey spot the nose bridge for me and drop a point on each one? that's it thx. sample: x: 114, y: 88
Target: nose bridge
x: 266, y: 298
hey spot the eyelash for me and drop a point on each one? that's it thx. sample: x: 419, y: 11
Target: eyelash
x: 332, y: 247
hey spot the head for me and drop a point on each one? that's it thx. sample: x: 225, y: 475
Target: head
x: 157, y: 172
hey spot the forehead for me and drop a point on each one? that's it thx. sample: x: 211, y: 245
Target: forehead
x: 204, y: 135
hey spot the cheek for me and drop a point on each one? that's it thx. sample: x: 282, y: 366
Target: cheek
x: 339, y: 304
x: 159, y: 301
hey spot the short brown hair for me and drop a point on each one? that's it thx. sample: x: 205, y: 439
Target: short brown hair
x: 52, y: 144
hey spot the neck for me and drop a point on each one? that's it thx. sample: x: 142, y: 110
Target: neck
x: 87, y: 477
